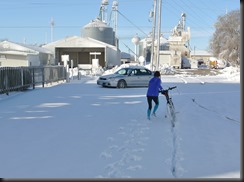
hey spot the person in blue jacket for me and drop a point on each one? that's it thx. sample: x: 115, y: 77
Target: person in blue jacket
x: 154, y: 88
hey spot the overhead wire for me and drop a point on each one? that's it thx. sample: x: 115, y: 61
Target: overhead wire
x: 132, y: 23
x: 175, y: 7
x: 190, y: 19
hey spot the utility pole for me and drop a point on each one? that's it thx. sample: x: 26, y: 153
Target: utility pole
x: 159, y: 34
x: 153, y: 33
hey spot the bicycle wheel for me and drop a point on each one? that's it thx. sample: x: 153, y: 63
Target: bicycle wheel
x: 171, y: 112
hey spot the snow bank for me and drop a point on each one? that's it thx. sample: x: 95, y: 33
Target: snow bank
x: 232, y: 73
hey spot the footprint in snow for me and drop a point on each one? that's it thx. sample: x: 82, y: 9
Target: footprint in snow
x: 106, y: 155
x: 134, y: 168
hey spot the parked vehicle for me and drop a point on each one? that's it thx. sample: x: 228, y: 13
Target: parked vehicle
x: 203, y: 66
x: 185, y: 63
x: 133, y: 76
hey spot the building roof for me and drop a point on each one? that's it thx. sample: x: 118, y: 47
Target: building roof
x: 163, y: 40
x: 19, y: 48
x: 16, y: 53
x: 77, y: 42
x: 201, y: 53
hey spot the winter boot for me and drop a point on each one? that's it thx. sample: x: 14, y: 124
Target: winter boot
x: 155, y: 109
x: 148, y: 114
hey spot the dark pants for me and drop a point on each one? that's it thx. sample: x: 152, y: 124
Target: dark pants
x: 150, y: 99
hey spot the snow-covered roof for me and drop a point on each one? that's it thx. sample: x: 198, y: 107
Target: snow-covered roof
x: 19, y: 47
x: 77, y: 41
x: 163, y: 40
x: 16, y: 53
x: 201, y: 53
x: 37, y: 48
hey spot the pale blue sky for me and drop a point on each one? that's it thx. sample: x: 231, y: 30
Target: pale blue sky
x: 29, y: 20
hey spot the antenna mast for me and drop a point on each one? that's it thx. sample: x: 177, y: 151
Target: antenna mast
x: 52, y: 27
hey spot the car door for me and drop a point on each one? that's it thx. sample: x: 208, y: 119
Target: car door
x: 145, y: 76
x: 133, y: 79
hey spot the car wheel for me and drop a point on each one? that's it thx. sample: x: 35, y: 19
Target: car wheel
x: 121, y: 84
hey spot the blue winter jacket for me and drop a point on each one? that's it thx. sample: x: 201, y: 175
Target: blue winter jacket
x: 154, y: 86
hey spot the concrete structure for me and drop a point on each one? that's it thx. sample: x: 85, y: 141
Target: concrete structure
x: 17, y: 54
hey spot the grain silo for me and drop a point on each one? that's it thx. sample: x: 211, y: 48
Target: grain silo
x: 99, y: 30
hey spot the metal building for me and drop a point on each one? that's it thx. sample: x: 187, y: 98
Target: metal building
x: 82, y: 50
x: 16, y: 54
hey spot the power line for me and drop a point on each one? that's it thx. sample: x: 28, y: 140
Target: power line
x: 132, y: 23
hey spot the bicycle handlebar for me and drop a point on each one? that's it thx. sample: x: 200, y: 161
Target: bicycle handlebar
x: 171, y: 88
x: 165, y: 92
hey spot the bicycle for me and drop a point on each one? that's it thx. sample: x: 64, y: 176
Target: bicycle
x: 170, y: 106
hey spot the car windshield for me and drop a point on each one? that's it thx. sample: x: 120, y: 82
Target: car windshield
x: 122, y: 72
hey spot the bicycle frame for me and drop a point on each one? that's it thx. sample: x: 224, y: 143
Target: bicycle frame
x: 170, y: 106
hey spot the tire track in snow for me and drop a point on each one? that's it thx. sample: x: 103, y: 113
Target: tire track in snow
x: 176, y: 158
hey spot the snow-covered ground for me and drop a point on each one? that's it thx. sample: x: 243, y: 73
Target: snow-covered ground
x: 81, y: 130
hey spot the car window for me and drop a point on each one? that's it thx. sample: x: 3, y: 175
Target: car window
x: 129, y: 72
x: 145, y: 72
x: 136, y: 72
x: 133, y: 72
x: 121, y: 72
x: 126, y: 71
x: 141, y: 72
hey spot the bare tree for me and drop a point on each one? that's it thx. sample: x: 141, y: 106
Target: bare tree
x: 226, y: 41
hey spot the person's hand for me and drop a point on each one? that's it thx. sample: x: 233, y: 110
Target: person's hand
x: 163, y: 92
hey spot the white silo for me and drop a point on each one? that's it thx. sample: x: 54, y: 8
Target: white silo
x: 99, y: 30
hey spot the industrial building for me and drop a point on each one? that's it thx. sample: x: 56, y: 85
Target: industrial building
x: 170, y: 51
x: 174, y: 51
x: 17, y: 54
x: 83, y: 50
x: 97, y: 43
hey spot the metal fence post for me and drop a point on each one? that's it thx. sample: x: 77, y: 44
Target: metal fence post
x: 33, y: 77
x: 43, y: 77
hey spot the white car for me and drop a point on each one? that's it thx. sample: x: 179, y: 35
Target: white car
x: 133, y: 76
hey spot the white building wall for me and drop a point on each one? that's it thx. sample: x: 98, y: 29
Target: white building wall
x: 194, y: 64
x: 164, y: 60
x: 15, y: 55
x: 33, y: 60
x: 170, y: 58
x: 13, y: 60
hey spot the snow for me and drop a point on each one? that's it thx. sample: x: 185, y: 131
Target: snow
x: 81, y: 130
